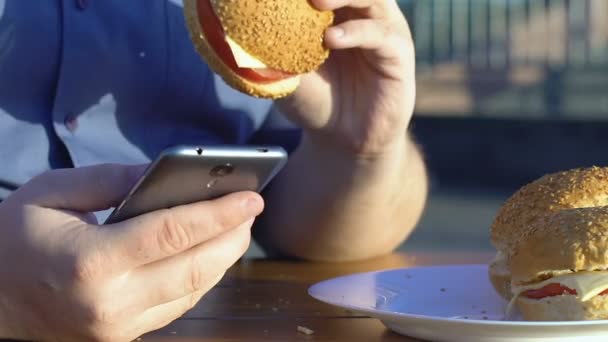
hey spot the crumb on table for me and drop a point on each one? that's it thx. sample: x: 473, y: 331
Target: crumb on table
x: 305, y: 330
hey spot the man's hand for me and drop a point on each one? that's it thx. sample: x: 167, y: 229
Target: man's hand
x: 365, y: 181
x: 362, y: 98
x: 64, y: 278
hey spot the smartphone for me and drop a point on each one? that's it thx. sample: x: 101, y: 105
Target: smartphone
x: 187, y: 174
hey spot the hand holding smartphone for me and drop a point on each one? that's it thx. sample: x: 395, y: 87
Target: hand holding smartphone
x: 187, y: 174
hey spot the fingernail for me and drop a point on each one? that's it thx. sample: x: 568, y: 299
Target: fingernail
x: 336, y: 32
x: 253, y: 206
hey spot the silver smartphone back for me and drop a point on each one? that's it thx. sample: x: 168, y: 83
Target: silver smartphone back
x: 188, y: 174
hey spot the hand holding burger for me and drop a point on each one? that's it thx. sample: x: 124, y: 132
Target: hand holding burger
x: 343, y: 71
x: 359, y: 97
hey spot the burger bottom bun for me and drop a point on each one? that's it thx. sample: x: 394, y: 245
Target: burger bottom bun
x: 273, y: 90
x: 500, y: 277
x: 563, y: 308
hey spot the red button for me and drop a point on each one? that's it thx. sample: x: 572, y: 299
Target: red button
x: 82, y: 4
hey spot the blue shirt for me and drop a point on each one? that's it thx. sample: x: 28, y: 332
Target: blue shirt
x: 92, y: 81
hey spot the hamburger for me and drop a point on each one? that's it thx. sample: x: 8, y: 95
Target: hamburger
x: 259, y: 47
x: 552, y: 241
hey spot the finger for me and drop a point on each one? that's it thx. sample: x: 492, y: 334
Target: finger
x: 192, y: 271
x: 371, y: 8
x: 165, y: 233
x: 369, y: 34
x: 85, y: 189
x: 332, y: 5
x: 162, y: 315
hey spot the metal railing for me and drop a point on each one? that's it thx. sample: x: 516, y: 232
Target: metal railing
x: 496, y: 33
x: 563, y: 42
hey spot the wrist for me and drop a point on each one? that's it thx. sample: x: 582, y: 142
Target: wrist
x: 338, y: 164
x: 354, y: 154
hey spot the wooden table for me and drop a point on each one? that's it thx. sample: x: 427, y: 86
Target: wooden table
x: 263, y: 300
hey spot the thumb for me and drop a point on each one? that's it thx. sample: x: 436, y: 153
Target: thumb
x: 85, y: 189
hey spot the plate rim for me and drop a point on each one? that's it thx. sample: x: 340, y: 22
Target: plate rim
x: 375, y: 312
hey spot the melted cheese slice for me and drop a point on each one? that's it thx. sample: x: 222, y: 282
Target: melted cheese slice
x: 242, y: 58
x: 586, y: 284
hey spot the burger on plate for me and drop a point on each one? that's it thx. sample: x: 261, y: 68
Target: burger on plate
x: 552, y: 241
x: 259, y: 47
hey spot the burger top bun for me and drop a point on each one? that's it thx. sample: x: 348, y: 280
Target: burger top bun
x: 285, y: 34
x: 259, y: 47
x: 579, y: 188
x: 568, y: 241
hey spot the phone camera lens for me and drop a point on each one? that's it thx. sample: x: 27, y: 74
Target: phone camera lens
x: 212, y: 183
x: 222, y: 170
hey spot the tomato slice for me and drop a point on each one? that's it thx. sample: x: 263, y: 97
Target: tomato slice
x: 551, y: 290
x: 212, y: 28
x: 271, y: 74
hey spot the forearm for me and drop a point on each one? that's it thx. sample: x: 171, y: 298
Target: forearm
x: 327, y: 205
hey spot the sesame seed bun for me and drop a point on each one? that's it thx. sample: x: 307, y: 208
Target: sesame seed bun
x: 555, y: 225
x: 284, y: 34
x: 570, y: 240
x: 500, y: 276
x: 577, y: 188
x: 563, y: 308
x: 289, y: 39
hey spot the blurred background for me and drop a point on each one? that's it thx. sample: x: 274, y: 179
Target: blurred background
x: 508, y: 90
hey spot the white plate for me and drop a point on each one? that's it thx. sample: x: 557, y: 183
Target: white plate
x: 445, y: 303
